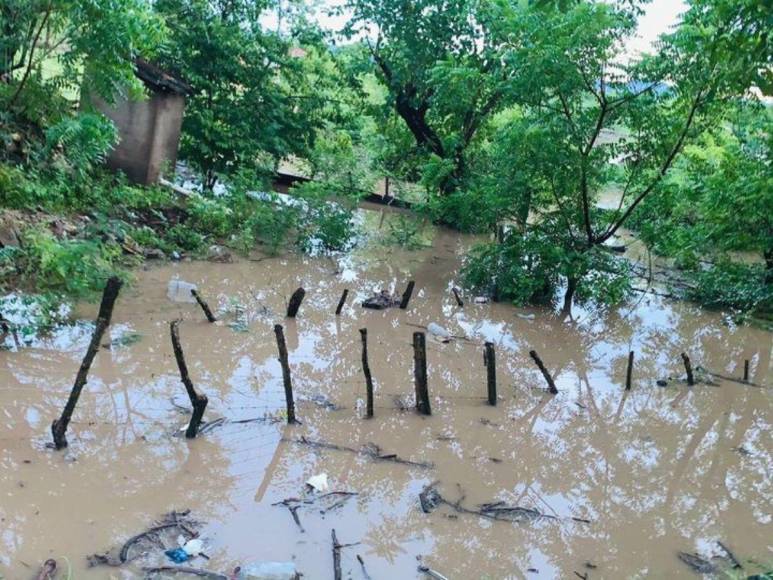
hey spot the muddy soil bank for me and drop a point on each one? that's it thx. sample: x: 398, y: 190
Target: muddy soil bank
x: 654, y: 471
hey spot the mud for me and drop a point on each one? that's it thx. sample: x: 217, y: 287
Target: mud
x: 645, y: 474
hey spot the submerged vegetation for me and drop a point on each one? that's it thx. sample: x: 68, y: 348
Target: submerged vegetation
x: 514, y: 119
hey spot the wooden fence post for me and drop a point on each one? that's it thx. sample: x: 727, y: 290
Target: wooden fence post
x: 295, y: 302
x: 204, y: 306
x: 551, y: 385
x: 420, y: 373
x: 688, y: 369
x: 366, y: 371
x: 629, y: 372
x: 109, y: 296
x: 491, y: 372
x: 746, y: 371
x: 459, y: 301
x: 407, y: 295
x: 286, y: 378
x: 198, y: 401
x: 342, y: 302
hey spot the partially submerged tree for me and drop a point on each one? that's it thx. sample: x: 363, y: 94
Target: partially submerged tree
x: 593, y: 125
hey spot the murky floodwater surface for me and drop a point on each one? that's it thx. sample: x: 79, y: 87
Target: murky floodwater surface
x: 622, y: 481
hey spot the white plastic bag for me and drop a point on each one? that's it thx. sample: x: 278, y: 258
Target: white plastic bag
x: 180, y: 291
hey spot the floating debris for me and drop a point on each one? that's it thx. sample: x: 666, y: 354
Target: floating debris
x: 696, y: 563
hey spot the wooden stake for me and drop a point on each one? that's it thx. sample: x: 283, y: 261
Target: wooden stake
x: 420, y: 373
x: 198, y: 401
x: 337, y: 575
x: 491, y: 372
x: 629, y: 372
x: 295, y: 302
x: 407, y: 295
x: 459, y: 300
x: 688, y: 369
x: 204, y: 306
x: 342, y: 302
x: 746, y: 371
x: 109, y: 296
x: 551, y: 385
x: 287, y: 379
x: 366, y: 371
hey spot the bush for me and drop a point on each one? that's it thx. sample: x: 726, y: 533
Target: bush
x: 730, y: 285
x: 77, y: 267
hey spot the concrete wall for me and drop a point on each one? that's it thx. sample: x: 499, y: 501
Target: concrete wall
x: 149, y: 132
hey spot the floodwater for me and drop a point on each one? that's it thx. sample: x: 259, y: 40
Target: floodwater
x: 654, y: 471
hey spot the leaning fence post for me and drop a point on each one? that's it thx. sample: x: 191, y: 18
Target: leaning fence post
x: 629, y: 372
x: 366, y: 371
x: 688, y: 369
x: 420, y: 373
x: 459, y: 301
x: 342, y: 302
x: 109, y: 295
x: 551, y: 385
x: 491, y: 372
x: 407, y: 295
x: 286, y: 378
x: 204, y: 306
x: 198, y: 401
x: 295, y: 302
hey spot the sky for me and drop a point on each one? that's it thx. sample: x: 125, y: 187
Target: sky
x: 660, y: 17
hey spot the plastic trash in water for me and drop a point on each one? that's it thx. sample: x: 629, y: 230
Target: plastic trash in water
x: 525, y: 316
x: 269, y: 571
x: 178, y: 555
x: 180, y: 291
x: 439, y: 332
x: 318, y: 482
x: 481, y: 300
x: 193, y: 547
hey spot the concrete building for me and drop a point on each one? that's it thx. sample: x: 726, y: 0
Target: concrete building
x: 149, y: 129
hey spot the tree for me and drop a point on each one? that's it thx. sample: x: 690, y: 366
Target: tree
x: 592, y: 124
x: 101, y: 37
x: 248, y: 107
x: 443, y: 75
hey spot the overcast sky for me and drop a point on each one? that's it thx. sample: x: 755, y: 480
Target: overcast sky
x: 660, y: 16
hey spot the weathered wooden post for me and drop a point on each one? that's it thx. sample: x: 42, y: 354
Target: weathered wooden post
x: 407, y: 295
x: 204, y: 306
x: 688, y: 369
x: 286, y: 378
x: 337, y: 575
x: 491, y: 372
x: 459, y: 301
x: 366, y: 371
x: 746, y: 371
x: 420, y: 373
x: 629, y: 372
x: 109, y: 296
x: 295, y: 302
x: 551, y: 385
x: 342, y: 302
x: 198, y: 401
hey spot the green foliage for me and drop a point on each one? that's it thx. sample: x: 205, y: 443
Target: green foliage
x: 406, y: 232
x: 76, y: 267
x: 100, y: 36
x: 84, y: 141
x: 742, y: 287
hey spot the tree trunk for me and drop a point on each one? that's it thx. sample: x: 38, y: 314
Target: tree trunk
x: 571, y: 288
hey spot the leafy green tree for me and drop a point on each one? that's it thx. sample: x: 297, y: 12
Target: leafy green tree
x: 101, y: 37
x: 443, y: 75
x: 249, y: 106
x: 592, y: 124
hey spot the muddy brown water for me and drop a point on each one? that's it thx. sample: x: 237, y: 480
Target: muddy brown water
x: 654, y: 471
